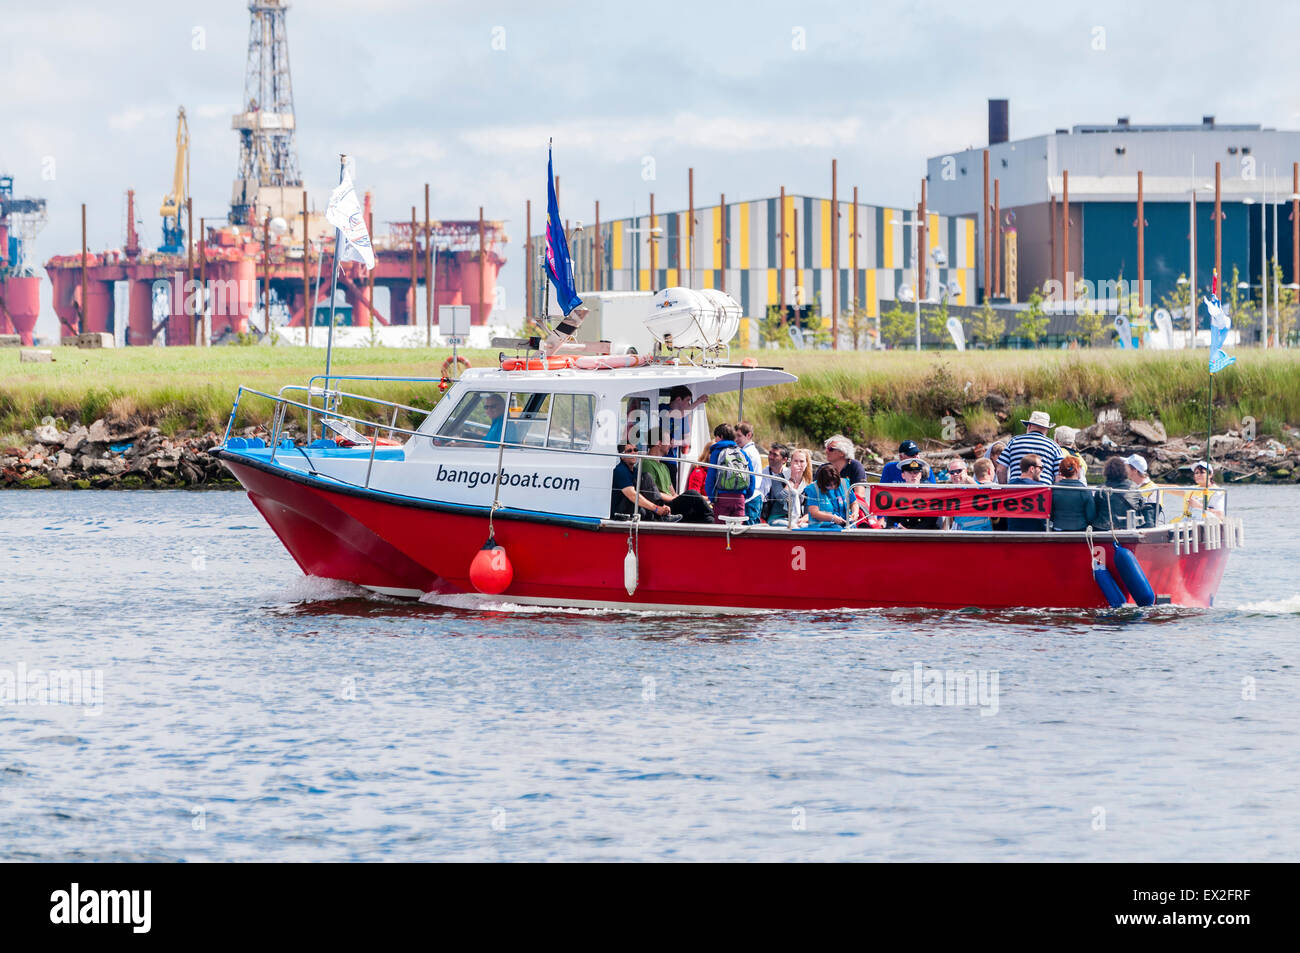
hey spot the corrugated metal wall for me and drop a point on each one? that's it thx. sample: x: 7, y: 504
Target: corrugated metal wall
x: 738, y: 248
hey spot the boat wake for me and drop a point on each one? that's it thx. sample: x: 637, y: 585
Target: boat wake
x: 1288, y: 606
x: 477, y: 603
x: 315, y: 589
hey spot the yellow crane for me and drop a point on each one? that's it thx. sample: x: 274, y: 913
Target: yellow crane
x: 173, y: 241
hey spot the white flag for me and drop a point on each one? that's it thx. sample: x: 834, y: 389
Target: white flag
x: 1125, y: 331
x: 344, y: 213
x: 958, y: 332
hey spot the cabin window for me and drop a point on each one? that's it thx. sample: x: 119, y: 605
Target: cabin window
x: 477, y: 418
x: 529, y: 416
x: 571, y: 417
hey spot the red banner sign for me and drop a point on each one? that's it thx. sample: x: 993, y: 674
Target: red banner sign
x: 921, y: 499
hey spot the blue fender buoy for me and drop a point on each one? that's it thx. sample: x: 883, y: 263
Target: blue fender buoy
x: 1109, y: 587
x: 1135, y: 580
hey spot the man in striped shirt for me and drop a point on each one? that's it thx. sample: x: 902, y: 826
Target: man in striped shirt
x: 1034, y: 440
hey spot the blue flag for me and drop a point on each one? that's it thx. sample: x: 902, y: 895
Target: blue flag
x: 559, y: 267
x: 1220, y: 325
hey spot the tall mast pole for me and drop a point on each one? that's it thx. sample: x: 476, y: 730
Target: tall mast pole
x: 266, y: 272
x: 997, y: 238
x: 725, y: 241
x: 780, y: 264
x: 370, y: 277
x: 835, y: 258
x: 1263, y: 262
x: 1218, y: 220
x: 81, y: 312
x: 853, y: 253
x: 654, y: 258
x: 308, y: 305
x: 1141, y: 227
x: 987, y: 232
x: 190, y: 308
x: 1277, y: 282
x: 528, y: 260
x: 1065, y: 235
x: 690, y: 227
x: 921, y: 244
x: 205, y: 337
x: 429, y: 272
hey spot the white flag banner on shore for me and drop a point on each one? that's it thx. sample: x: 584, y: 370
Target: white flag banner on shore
x: 958, y: 333
x: 344, y: 213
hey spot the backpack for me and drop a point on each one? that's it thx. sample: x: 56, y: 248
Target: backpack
x: 734, y: 477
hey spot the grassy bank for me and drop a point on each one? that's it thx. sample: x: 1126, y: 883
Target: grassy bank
x: 895, y: 395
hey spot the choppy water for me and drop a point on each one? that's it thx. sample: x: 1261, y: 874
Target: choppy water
x: 249, y: 714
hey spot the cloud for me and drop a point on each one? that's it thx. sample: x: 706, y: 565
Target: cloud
x: 619, y: 140
x: 134, y: 116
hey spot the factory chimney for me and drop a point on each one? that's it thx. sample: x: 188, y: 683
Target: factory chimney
x: 999, y: 121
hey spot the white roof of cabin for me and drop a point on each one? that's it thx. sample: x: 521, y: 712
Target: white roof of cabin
x: 628, y: 380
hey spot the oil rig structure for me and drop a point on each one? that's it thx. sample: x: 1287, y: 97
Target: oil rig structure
x: 235, y: 278
x: 20, y: 286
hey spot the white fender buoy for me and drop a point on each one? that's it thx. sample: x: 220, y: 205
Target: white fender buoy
x: 630, y: 571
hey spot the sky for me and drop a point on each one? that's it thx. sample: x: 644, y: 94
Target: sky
x: 754, y: 95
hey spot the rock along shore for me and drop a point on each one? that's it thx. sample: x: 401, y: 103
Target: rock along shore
x: 1236, y: 457
x: 113, y: 455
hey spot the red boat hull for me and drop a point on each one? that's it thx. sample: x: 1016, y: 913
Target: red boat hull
x: 409, y: 547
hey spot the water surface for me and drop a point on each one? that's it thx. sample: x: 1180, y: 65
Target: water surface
x: 248, y: 713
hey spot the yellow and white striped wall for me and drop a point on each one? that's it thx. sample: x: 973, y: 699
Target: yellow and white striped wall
x: 741, y: 254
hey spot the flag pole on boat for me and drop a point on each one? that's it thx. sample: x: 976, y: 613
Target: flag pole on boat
x: 559, y: 270
x: 351, y: 243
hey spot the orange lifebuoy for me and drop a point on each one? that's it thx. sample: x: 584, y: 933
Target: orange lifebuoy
x: 447, y: 364
x: 545, y: 364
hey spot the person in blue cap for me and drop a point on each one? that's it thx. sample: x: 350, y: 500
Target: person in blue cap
x: 907, y: 450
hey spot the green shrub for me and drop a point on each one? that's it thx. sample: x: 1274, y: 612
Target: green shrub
x: 820, y: 416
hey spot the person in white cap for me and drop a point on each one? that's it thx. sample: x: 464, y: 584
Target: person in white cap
x: 1140, y: 478
x: 1206, y: 499
x: 1137, y: 472
x: 1065, y: 439
x: 1034, y: 440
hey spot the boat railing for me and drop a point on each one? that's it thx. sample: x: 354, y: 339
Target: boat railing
x: 335, y: 397
x: 1153, y: 498
x: 332, y: 397
x: 284, y: 403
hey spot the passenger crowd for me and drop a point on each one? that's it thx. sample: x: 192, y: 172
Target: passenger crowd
x: 737, y: 485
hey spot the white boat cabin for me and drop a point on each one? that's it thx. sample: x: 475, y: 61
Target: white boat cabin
x: 556, y: 433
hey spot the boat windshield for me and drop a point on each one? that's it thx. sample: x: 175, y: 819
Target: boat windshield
x: 521, y: 418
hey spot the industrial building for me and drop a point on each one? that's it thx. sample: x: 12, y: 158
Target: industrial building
x: 213, y: 282
x: 1067, y: 202
x: 765, y: 252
